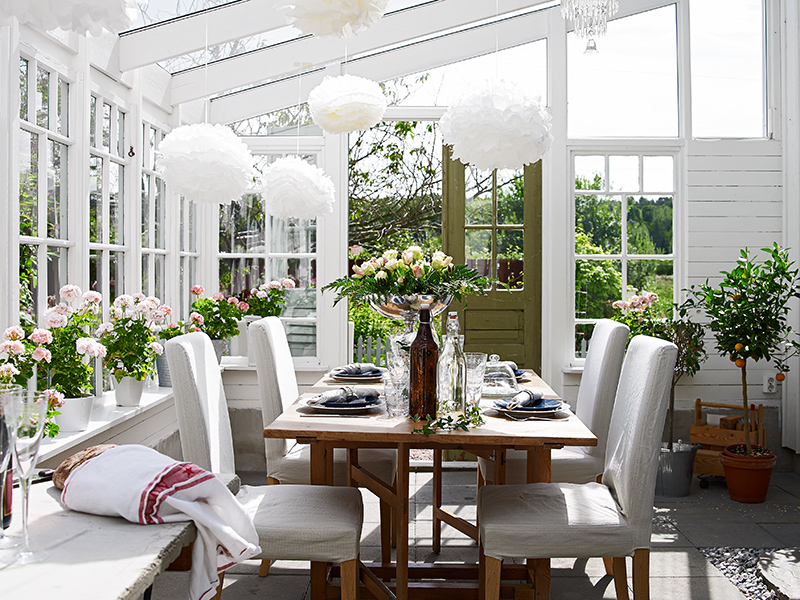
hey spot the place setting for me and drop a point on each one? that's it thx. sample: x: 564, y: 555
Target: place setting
x: 357, y: 373
x: 343, y: 401
x: 528, y: 405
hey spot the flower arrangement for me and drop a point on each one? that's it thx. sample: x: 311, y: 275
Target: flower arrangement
x: 268, y: 299
x: 130, y: 335
x: 25, y: 357
x: 405, y: 273
x: 680, y: 330
x: 71, y: 323
x: 218, y: 316
x: 748, y: 313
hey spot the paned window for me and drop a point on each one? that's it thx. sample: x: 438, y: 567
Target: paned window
x: 188, y: 255
x: 153, y: 225
x: 255, y: 248
x: 43, y: 157
x: 107, y: 189
x: 623, y: 234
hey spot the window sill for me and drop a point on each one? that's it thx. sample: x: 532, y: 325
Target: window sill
x: 572, y: 369
x: 110, y: 423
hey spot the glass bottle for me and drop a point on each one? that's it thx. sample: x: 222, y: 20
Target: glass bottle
x: 424, y: 359
x: 452, y: 373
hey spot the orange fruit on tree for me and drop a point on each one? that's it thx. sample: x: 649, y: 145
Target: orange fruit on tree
x: 738, y: 347
x: 780, y: 377
x: 740, y: 362
x: 732, y: 357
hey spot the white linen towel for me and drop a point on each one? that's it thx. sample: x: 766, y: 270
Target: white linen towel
x: 144, y: 486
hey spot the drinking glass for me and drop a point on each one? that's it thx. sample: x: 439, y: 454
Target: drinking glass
x: 476, y: 367
x: 26, y: 413
x: 6, y: 541
x: 396, y: 381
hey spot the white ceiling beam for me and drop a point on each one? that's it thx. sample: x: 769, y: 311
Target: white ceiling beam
x: 398, y: 62
x: 182, y: 35
x: 282, y: 60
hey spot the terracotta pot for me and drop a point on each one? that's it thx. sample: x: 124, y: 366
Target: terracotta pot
x: 747, y: 476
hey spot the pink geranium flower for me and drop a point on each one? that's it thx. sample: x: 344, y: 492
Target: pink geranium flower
x: 70, y: 293
x: 14, y: 333
x: 218, y: 296
x: 41, y: 353
x: 197, y: 290
x: 41, y: 336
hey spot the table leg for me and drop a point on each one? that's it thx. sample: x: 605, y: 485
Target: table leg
x: 401, y: 577
x: 539, y: 471
x: 319, y: 476
x: 437, y: 499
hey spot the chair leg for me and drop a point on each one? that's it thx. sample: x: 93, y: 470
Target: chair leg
x: 349, y: 578
x: 218, y: 595
x: 386, y: 533
x: 491, y: 569
x: 609, y: 564
x: 641, y: 574
x: 620, y: 578
x: 263, y: 570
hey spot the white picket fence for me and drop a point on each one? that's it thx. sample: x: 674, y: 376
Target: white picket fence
x: 370, y: 349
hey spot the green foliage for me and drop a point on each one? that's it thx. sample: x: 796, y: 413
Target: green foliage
x: 217, y: 316
x: 472, y: 417
x: 130, y: 337
x: 369, y: 324
x: 748, y: 312
x: 597, y: 282
x: 268, y: 299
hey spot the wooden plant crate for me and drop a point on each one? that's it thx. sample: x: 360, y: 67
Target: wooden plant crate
x: 713, y: 439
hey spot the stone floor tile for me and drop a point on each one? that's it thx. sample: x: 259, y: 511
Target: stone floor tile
x: 788, y: 534
x: 721, y: 533
x: 788, y: 482
x: 693, y: 588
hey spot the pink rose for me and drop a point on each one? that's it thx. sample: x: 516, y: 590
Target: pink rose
x: 12, y: 347
x: 244, y: 306
x: 407, y: 257
x: 70, y: 293
x: 54, y: 320
x: 41, y: 336
x: 92, y: 297
x: 288, y: 283
x: 157, y: 348
x: 14, y: 333
x: 418, y: 271
x: 197, y: 290
x: 55, y: 399
x: 358, y: 270
x: 41, y: 354
x: 218, y: 296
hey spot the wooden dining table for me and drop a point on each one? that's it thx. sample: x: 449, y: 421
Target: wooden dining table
x: 374, y: 429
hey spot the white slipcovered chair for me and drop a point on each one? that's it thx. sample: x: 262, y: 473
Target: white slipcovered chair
x: 294, y: 522
x: 612, y: 518
x: 594, y: 405
x: 288, y: 461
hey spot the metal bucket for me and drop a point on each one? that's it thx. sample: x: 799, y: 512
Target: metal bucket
x: 675, y: 469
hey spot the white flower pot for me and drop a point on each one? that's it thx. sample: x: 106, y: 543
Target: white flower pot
x: 251, y: 354
x: 129, y: 391
x: 75, y: 414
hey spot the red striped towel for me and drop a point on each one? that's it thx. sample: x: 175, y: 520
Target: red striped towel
x: 144, y: 486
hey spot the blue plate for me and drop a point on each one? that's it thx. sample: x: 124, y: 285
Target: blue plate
x: 355, y: 404
x: 357, y: 375
x: 547, y: 404
x: 519, y: 373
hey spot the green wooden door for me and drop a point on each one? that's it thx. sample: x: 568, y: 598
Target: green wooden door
x: 492, y: 221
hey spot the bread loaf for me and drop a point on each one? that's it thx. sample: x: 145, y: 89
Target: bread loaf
x: 65, y: 468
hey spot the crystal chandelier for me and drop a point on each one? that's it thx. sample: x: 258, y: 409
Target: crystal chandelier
x: 590, y: 17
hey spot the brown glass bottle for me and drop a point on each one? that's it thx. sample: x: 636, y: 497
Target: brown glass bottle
x: 424, y: 359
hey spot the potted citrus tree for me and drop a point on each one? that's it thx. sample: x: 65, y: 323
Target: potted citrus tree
x: 748, y: 313
x: 676, y: 460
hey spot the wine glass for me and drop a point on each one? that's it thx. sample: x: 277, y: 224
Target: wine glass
x: 6, y: 541
x: 476, y: 368
x: 26, y: 413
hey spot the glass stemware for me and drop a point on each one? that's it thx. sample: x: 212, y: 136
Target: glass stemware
x: 476, y: 367
x: 6, y: 541
x: 25, y: 416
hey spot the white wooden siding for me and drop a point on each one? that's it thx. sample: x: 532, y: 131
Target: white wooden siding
x: 733, y: 200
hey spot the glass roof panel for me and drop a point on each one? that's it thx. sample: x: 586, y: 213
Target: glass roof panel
x: 156, y: 11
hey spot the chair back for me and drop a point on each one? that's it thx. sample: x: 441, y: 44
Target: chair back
x: 600, y: 378
x: 200, y: 403
x: 637, y: 424
x: 277, y: 383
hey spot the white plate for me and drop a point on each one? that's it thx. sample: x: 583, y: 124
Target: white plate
x: 340, y: 410
x: 521, y: 412
x: 356, y: 378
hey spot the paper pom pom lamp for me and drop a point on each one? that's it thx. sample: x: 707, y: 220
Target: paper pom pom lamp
x: 294, y: 188
x: 205, y: 163
x: 81, y: 16
x: 497, y: 127
x: 332, y: 17
x: 346, y: 103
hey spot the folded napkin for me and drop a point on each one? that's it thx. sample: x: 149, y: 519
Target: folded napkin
x: 346, y: 396
x: 358, y: 370
x: 144, y: 486
x: 525, y: 399
x: 511, y: 364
